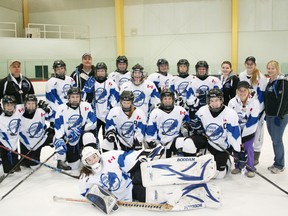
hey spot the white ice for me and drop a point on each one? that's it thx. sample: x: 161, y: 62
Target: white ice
x: 240, y: 195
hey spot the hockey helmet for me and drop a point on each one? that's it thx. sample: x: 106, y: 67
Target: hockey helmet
x: 183, y: 62
x: 127, y: 96
x: 59, y: 64
x: 122, y: 68
x: 164, y: 105
x: 215, y: 93
x: 74, y: 102
x: 137, y: 75
x: 91, y: 159
x: 202, y: 64
x: 9, y: 99
x: 30, y: 107
x: 100, y: 65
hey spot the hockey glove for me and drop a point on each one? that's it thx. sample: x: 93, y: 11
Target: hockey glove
x: 136, y: 144
x: 111, y: 136
x: 60, y: 146
x: 242, y: 157
x: 75, y: 134
x: 152, y: 144
x: 44, y: 105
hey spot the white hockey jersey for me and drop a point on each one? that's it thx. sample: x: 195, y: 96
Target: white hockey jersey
x: 145, y: 94
x: 67, y: 118
x: 106, y: 95
x: 56, y: 91
x: 114, y: 174
x: 125, y: 127
x: 32, y: 131
x: 165, y: 127
x: 199, y: 88
x: 223, y: 129
x: 259, y: 88
x: 9, y: 128
x: 161, y: 81
x: 119, y: 78
x: 180, y: 86
x: 248, y: 114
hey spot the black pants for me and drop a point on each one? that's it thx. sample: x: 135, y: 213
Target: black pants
x: 33, y: 154
x: 9, y: 159
x: 101, y: 124
x: 138, y: 191
x: 220, y: 157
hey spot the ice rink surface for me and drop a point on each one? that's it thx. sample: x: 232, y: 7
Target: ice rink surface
x: 240, y: 195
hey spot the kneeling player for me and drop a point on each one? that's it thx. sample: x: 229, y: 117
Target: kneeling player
x: 220, y: 127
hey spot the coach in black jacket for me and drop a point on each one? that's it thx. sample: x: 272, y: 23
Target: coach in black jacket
x: 15, y: 83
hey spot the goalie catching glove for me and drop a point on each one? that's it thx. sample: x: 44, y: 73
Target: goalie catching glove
x: 102, y: 199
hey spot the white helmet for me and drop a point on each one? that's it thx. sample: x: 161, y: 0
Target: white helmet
x: 87, y: 152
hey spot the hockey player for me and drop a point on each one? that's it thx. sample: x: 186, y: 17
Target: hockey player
x: 181, y: 82
x: 146, y: 95
x: 72, y: 120
x: 83, y: 71
x: 258, y: 82
x: 247, y: 108
x: 199, y: 87
x: 10, y: 120
x: 219, y: 124
x: 33, y: 130
x: 125, y: 125
x: 121, y: 74
x: 102, y: 93
x: 58, y: 86
x: 165, y: 125
x: 162, y: 79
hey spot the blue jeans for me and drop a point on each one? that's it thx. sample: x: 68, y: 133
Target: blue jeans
x: 276, y: 128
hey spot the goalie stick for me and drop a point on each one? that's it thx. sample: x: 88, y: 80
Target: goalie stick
x: 36, y: 161
x: 256, y: 172
x: 143, y: 205
x: 27, y: 176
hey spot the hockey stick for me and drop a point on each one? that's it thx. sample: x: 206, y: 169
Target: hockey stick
x: 36, y: 161
x: 27, y: 176
x: 19, y: 162
x: 235, y: 158
x: 148, y: 206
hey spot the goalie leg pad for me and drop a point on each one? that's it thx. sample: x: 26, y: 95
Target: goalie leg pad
x: 102, y: 199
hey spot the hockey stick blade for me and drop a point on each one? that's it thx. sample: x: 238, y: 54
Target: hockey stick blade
x: 148, y: 206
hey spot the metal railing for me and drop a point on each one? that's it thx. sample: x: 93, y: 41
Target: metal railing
x: 8, y: 29
x: 59, y: 31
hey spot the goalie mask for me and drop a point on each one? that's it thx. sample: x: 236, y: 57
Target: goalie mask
x: 215, y: 100
x: 167, y: 100
x: 9, y: 105
x: 101, y: 72
x: 122, y: 64
x: 91, y: 159
x: 74, y: 97
x: 30, y: 103
x: 183, y: 68
x: 137, y: 75
x: 201, y: 69
x: 126, y: 101
x: 59, y: 67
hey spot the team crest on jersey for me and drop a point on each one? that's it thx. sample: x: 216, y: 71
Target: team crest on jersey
x: 100, y: 95
x: 74, y: 121
x: 139, y: 98
x: 35, y: 130
x: 65, y: 89
x: 13, y: 126
x: 214, y: 131
x: 242, y: 118
x: 182, y: 88
x: 123, y: 80
x: 110, y: 181
x: 169, y: 127
x: 202, y: 90
x: 127, y: 129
